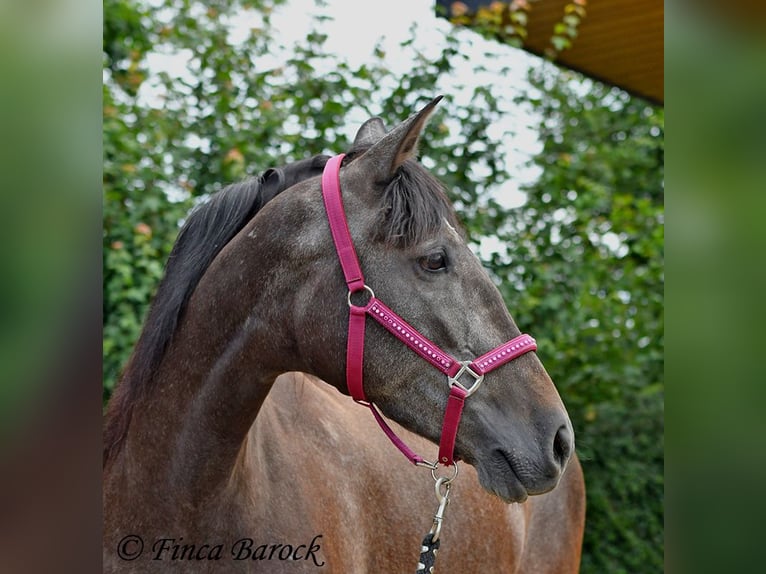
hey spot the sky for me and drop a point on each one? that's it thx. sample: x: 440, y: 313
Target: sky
x: 355, y: 27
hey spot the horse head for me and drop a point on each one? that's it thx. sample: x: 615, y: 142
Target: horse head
x: 515, y: 429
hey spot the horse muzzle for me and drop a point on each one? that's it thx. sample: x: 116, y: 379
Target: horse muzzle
x: 514, y: 469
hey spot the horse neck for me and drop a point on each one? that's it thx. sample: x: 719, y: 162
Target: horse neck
x: 187, y: 431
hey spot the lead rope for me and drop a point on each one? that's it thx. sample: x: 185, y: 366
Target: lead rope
x: 431, y: 543
x: 428, y: 554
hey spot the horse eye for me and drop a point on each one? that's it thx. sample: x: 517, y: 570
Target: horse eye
x: 433, y: 262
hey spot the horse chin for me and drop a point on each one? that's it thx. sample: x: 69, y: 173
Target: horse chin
x: 497, y: 476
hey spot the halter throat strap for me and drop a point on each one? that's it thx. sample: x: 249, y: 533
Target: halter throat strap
x: 455, y: 371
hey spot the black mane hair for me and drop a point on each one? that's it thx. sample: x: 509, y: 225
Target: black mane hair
x: 209, y: 227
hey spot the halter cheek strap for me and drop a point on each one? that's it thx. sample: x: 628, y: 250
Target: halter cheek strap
x: 455, y: 370
x: 336, y: 217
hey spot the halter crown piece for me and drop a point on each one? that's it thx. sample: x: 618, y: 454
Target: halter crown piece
x: 375, y: 308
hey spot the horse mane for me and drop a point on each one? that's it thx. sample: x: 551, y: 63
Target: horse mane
x: 416, y: 207
x: 209, y: 227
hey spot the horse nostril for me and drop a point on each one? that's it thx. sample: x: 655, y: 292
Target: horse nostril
x: 562, y: 446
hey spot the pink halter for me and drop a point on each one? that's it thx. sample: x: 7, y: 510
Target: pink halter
x: 408, y: 335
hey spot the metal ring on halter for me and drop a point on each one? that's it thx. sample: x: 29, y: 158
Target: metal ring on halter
x: 444, y: 479
x: 365, y: 288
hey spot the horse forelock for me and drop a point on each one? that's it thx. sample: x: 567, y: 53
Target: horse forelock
x: 416, y: 207
x: 209, y: 227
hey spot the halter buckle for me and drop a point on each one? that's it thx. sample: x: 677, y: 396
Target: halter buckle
x: 467, y: 370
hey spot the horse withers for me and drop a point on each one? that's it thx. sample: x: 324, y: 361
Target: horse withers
x: 225, y: 451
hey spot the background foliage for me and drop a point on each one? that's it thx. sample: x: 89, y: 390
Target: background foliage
x: 580, y: 263
x: 586, y: 271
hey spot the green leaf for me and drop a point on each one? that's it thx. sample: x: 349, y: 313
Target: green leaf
x: 560, y: 43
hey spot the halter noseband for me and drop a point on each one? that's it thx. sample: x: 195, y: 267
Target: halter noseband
x: 375, y: 308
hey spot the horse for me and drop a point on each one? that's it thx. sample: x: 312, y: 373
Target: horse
x: 231, y: 443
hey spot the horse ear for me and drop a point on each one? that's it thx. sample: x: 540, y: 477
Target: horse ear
x: 371, y: 132
x: 398, y: 145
